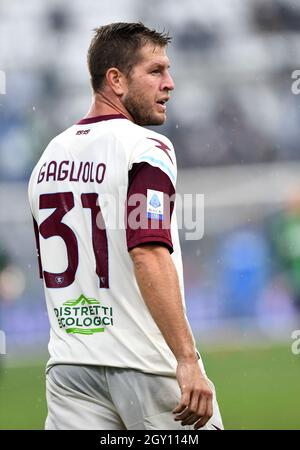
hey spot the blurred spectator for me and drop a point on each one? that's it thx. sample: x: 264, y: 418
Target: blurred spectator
x: 4, y: 261
x: 227, y: 138
x: 244, y: 255
x: 58, y: 19
x: 285, y: 236
x: 277, y: 15
x: 220, y: 57
x: 195, y: 37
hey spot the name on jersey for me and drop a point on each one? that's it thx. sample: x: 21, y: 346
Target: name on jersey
x: 85, y: 171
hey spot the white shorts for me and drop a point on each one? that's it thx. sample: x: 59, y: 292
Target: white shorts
x: 110, y: 398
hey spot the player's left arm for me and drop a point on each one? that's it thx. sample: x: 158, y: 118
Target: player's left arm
x: 157, y: 279
x: 152, y: 176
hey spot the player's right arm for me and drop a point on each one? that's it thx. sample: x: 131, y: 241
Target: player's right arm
x: 157, y: 278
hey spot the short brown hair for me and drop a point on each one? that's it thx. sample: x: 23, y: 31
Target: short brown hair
x: 117, y: 45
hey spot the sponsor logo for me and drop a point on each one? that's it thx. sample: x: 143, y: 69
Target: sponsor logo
x: 84, y: 316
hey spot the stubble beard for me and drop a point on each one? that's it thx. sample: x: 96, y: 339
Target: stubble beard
x: 136, y: 105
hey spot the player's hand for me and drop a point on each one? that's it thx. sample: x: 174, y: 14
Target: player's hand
x: 195, y: 405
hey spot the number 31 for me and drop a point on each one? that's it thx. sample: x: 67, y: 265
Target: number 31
x: 63, y: 202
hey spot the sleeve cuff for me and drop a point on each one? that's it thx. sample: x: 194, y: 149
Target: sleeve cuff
x: 149, y: 240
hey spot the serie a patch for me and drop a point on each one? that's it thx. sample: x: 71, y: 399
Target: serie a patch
x: 155, y: 204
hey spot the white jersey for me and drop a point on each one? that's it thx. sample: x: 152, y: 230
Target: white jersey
x: 79, y: 198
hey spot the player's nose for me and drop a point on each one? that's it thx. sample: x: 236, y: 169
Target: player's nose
x: 168, y: 82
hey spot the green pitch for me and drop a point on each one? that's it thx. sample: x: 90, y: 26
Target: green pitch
x: 257, y: 389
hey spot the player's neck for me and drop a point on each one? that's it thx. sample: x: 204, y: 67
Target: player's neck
x: 103, y: 104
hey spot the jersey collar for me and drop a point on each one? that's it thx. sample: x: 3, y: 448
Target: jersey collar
x: 100, y: 118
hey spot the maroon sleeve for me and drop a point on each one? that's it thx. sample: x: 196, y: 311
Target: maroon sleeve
x: 143, y: 226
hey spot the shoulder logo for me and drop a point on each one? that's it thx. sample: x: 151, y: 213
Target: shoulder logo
x: 155, y: 204
x: 155, y: 201
x: 162, y: 146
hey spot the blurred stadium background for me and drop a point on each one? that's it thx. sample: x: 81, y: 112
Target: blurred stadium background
x: 234, y: 120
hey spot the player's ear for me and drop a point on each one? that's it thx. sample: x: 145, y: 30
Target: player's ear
x: 116, y: 80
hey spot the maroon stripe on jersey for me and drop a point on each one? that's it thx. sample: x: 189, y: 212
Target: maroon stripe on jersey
x: 37, y: 241
x: 139, y: 228
x: 100, y: 118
